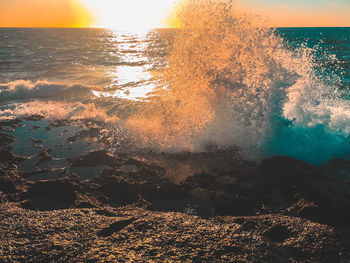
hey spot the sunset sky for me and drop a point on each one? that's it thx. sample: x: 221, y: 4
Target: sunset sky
x: 152, y: 13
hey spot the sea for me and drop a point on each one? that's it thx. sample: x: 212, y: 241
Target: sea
x: 280, y: 91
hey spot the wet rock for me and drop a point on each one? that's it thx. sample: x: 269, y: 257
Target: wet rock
x: 93, y: 159
x: 35, y: 127
x: 164, y: 191
x: 10, y: 123
x: 44, y: 156
x: 118, y: 188
x: 6, y: 139
x: 202, y: 180
x: 115, y: 227
x: 35, y: 117
x: 58, y: 123
x: 7, y: 156
x: 56, y: 194
x: 128, y: 168
x: 85, y: 204
x: 105, y: 212
x: 277, y: 233
x: 10, y: 181
x: 35, y: 140
x: 234, y: 205
x: 92, y: 132
x: 27, y: 204
x: 285, y: 168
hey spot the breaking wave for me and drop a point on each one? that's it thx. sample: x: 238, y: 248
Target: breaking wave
x: 24, y: 90
x: 231, y: 81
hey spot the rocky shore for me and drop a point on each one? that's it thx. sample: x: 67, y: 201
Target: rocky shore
x: 144, y: 206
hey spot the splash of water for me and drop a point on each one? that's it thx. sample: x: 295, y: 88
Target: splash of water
x: 230, y: 80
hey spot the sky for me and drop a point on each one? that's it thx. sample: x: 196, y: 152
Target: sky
x: 299, y: 13
x: 152, y: 13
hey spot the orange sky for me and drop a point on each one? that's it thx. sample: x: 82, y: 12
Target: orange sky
x: 301, y: 13
x: 43, y: 13
x: 78, y: 13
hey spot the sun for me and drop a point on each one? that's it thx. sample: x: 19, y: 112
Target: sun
x: 129, y: 14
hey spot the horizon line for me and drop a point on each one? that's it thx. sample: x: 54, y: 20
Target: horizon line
x: 73, y: 27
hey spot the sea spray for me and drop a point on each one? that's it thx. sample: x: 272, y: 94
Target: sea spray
x: 230, y: 80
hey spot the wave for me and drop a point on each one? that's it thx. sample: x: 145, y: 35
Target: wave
x: 231, y: 81
x: 24, y: 90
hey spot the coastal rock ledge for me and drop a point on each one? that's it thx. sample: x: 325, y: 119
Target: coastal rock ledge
x: 143, y: 206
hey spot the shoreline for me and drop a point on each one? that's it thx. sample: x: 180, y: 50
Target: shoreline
x: 205, y: 207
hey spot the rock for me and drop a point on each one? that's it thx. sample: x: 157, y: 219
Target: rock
x: 93, y: 159
x: 115, y: 227
x: 164, y: 191
x: 35, y: 140
x: 27, y: 204
x: 56, y: 194
x: 10, y: 123
x: 44, y: 156
x: 202, y: 202
x: 201, y: 180
x: 234, y: 205
x: 92, y: 132
x: 277, y: 233
x: 5, y: 139
x: 6, y: 156
x: 35, y: 117
x: 10, y: 181
x: 128, y: 168
x: 282, y: 168
x: 7, y: 184
x: 35, y: 127
x: 105, y: 212
x: 85, y: 204
x: 118, y: 188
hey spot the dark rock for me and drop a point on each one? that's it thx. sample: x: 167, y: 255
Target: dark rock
x: 27, y: 204
x: 35, y: 117
x: 164, y: 191
x: 201, y: 180
x: 7, y: 184
x: 118, y: 188
x: 115, y: 227
x: 35, y: 127
x: 284, y: 167
x: 44, y: 156
x: 277, y: 233
x: 10, y: 123
x: 58, y: 123
x: 85, y: 204
x: 10, y: 181
x: 105, y: 212
x: 35, y: 140
x: 6, y: 156
x: 92, y: 132
x: 235, y: 205
x: 5, y: 139
x: 56, y: 194
x: 93, y: 159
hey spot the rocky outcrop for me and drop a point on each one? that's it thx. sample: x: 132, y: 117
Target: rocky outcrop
x: 135, y: 234
x: 93, y: 159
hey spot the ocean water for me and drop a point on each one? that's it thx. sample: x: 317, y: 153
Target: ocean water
x: 283, y: 91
